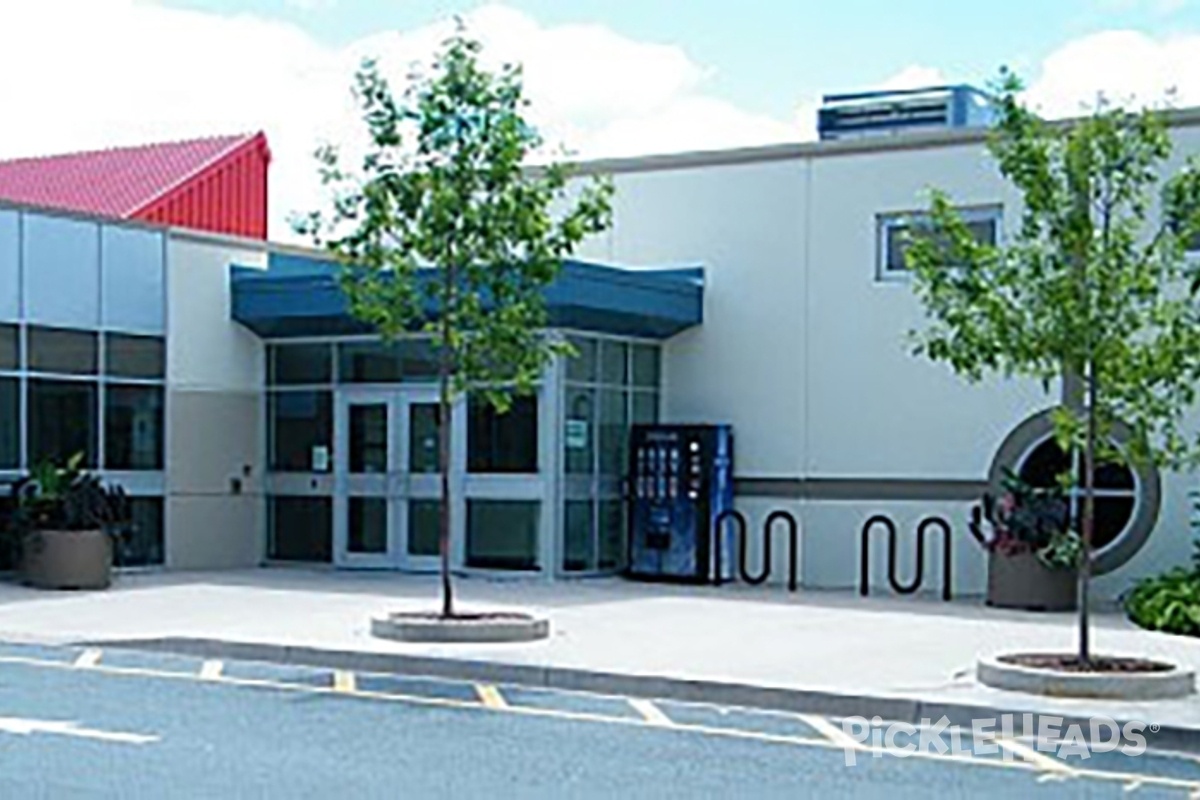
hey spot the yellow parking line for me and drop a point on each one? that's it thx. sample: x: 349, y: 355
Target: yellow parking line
x: 211, y: 670
x: 824, y: 742
x: 89, y: 657
x: 650, y: 712
x: 490, y: 696
x: 344, y: 681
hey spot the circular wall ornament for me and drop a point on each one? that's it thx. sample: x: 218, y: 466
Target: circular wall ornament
x: 1128, y: 497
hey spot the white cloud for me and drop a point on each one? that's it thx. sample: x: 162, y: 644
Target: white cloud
x: 1124, y: 66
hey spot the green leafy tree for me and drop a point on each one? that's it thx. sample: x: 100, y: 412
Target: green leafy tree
x: 444, y: 229
x: 1092, y: 287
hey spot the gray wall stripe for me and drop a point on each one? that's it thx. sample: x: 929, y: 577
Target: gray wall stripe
x: 860, y: 488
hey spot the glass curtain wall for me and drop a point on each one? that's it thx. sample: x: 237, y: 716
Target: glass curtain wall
x: 97, y: 395
x: 609, y: 385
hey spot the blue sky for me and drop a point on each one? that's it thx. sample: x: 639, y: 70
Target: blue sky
x: 767, y: 54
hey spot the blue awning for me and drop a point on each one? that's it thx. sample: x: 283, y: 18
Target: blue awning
x: 300, y: 295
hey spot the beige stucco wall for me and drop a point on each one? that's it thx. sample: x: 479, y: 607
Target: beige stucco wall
x: 215, y: 512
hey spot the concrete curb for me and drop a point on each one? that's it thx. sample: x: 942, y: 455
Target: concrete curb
x: 403, y: 627
x: 998, y: 674
x: 892, y: 708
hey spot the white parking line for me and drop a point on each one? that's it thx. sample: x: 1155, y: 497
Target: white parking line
x: 344, y: 681
x: 211, y: 670
x: 490, y: 696
x: 89, y: 657
x: 831, y: 732
x: 1052, y: 768
x: 650, y: 712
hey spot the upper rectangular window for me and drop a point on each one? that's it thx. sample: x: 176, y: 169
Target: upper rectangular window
x: 895, y: 231
x: 63, y: 351
x: 128, y: 356
x: 10, y: 352
x: 505, y: 442
x: 300, y: 364
x: 376, y: 362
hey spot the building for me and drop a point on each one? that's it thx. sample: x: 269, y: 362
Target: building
x: 220, y: 379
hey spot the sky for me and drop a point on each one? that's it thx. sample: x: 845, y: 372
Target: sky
x: 605, y: 77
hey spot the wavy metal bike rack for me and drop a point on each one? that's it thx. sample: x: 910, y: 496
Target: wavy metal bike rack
x: 741, y: 533
x: 864, y: 558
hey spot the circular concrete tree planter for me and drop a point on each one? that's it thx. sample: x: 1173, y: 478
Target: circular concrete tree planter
x: 502, y: 626
x: 1126, y: 679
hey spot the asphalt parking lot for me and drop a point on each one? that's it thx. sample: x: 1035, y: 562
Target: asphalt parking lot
x: 91, y: 722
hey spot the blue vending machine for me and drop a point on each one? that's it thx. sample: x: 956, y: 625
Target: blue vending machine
x: 681, y: 479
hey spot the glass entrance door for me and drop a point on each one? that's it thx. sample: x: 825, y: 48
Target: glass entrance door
x: 387, y: 481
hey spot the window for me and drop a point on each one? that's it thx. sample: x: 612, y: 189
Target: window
x: 299, y: 364
x: 424, y: 527
x: 10, y: 352
x: 578, y: 553
x: 141, y: 357
x: 375, y: 362
x: 502, y: 534
x: 1116, y: 489
x: 301, y: 529
x: 10, y: 424
x: 368, y: 525
x: 142, y: 544
x: 582, y: 366
x: 502, y: 443
x: 614, y: 431
x: 369, y: 438
x: 614, y: 361
x: 646, y: 366
x: 133, y: 427
x: 895, y: 231
x: 62, y: 351
x: 579, y: 423
x: 301, y: 422
x: 62, y: 421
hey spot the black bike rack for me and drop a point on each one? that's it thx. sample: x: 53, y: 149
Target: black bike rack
x: 864, y: 559
x: 793, y: 532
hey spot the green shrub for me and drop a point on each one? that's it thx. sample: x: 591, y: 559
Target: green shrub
x: 1169, y: 602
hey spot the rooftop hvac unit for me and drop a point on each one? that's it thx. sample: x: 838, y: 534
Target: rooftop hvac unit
x: 884, y: 113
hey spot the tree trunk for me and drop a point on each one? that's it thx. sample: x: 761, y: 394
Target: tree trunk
x: 1089, y: 518
x: 444, y: 511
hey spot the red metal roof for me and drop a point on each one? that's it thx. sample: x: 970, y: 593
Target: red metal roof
x: 216, y: 184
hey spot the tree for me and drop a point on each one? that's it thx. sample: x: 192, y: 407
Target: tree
x: 1091, y: 287
x: 445, y: 230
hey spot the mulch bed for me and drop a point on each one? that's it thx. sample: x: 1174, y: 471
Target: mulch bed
x: 1069, y: 662
x: 464, y: 617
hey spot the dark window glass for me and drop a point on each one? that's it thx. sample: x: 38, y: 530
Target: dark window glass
x: 502, y: 534
x: 646, y: 366
x: 368, y: 525
x: 8, y: 555
x: 62, y: 421
x: 1112, y: 516
x: 10, y: 425
x: 375, y: 362
x: 645, y: 408
x: 135, y: 356
x: 60, y: 350
x: 579, y: 426
x: 612, y: 534
x: 505, y: 442
x: 300, y: 423
x: 424, y: 447
x: 578, y: 550
x: 301, y: 529
x: 142, y: 544
x: 300, y: 363
x: 582, y: 367
x: 369, y: 438
x: 424, y: 526
x: 614, y: 432
x: 897, y: 233
x: 10, y: 351
x: 614, y: 358
x: 1045, y: 464
x: 133, y: 427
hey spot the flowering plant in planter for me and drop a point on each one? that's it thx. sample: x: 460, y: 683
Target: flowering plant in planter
x: 1026, y: 519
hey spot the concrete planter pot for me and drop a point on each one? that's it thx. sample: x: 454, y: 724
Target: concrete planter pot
x: 67, y: 559
x: 467, y: 628
x: 1022, y: 581
x: 1168, y: 683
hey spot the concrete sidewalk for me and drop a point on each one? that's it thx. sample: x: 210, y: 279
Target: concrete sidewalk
x: 828, y: 652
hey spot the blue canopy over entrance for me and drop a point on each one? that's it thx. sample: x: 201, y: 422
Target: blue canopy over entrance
x: 299, y: 295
